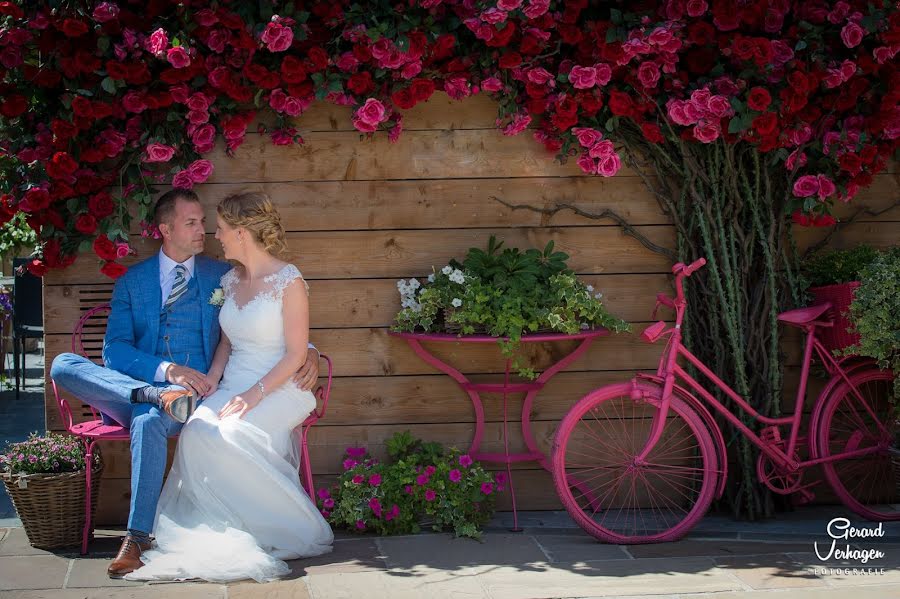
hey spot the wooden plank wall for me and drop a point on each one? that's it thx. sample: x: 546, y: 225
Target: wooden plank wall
x: 363, y: 213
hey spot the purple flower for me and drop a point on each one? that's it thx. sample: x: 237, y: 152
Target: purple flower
x: 422, y: 480
x: 487, y: 488
x: 323, y: 493
x: 408, y: 489
x: 465, y: 460
x: 375, y: 506
x: 430, y: 495
x: 375, y: 480
x: 350, y: 463
x: 358, y: 479
x: 455, y: 475
x: 395, y: 511
x: 356, y: 452
x: 429, y: 470
x: 328, y: 503
x: 361, y: 524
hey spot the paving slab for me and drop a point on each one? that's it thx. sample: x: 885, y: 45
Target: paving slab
x: 578, y: 548
x: 290, y: 589
x: 173, y: 591
x: 91, y: 573
x: 717, y: 547
x: 16, y: 544
x: 891, y: 591
x: 459, y: 584
x: 846, y: 573
x: 354, y: 555
x: 443, y: 552
x: 776, y: 571
x: 33, y: 572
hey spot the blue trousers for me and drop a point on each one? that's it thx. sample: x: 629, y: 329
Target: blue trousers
x: 109, y: 391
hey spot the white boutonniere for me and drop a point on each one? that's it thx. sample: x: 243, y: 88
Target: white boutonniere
x: 218, y: 297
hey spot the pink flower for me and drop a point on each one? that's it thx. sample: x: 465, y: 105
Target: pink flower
x: 122, y: 249
x: 411, y: 69
x: 707, y: 132
x: 852, y: 34
x: 182, y: 179
x: 375, y: 506
x: 609, y: 165
x: 465, y: 460
x: 277, y: 37
x: 206, y: 17
x: 487, y: 488
x: 422, y: 480
x: 328, y: 503
x: 360, y: 524
x: 455, y: 475
x: 648, y: 74
x: 677, y: 110
x: 157, y: 42
x: 826, y: 187
x: 519, y: 123
x: 134, y: 102
x: 277, y: 100
x: 491, y: 84
x: 356, y: 452
x: 408, y: 489
x: 395, y: 512
x: 105, y: 11
x: 806, y: 186
x: 586, y: 136
x: 602, y: 149
x: 719, y: 106
x: 604, y: 73
x: 509, y: 5
x: 430, y: 495
x: 885, y: 53
x: 697, y: 8
x: 494, y: 15
x: 358, y: 479
x: 204, y: 138
x: 371, y: 113
x: 457, y: 87
x: 536, y: 8
x: 540, y: 76
x: 200, y: 170
x: 199, y: 102
x: 375, y: 480
x: 293, y: 106
x: 587, y: 164
x: 583, y: 77
x: 349, y: 463
x: 323, y: 493
x: 795, y: 159
x: 198, y: 117
x: 157, y: 152
x: 347, y: 62
x: 178, y: 57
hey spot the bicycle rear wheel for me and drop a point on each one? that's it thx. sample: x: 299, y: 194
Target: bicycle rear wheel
x: 616, y: 500
x: 849, y: 422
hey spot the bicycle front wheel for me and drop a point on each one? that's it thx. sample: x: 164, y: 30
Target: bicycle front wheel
x: 850, y: 422
x: 611, y: 496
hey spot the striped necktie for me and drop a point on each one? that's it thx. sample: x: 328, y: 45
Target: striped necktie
x: 179, y: 287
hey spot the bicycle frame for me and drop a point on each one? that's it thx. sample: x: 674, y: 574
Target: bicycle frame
x: 671, y: 372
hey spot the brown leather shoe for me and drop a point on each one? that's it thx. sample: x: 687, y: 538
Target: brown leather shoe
x: 176, y: 402
x: 129, y: 557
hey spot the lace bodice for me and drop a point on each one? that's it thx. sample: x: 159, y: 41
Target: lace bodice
x: 256, y: 329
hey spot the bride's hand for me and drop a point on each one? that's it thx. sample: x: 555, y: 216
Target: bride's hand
x: 241, y: 404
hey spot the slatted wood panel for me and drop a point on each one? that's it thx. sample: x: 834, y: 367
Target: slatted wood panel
x: 363, y: 213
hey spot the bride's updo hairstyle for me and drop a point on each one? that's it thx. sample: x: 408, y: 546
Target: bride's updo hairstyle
x: 254, y: 211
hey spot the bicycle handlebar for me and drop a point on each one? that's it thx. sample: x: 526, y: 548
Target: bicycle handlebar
x: 690, y: 268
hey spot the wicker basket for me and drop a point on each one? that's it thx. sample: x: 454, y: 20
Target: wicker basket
x: 51, y: 506
x: 840, y: 296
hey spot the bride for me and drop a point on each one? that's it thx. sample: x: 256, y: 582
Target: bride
x: 232, y: 506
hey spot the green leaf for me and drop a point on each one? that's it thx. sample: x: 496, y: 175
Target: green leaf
x: 108, y: 85
x: 103, y: 44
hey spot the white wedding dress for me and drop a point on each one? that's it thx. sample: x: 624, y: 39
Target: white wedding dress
x: 232, y: 507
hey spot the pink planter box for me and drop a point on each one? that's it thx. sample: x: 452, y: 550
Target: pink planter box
x: 839, y: 296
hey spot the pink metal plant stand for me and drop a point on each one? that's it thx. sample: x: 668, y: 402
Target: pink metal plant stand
x: 505, y: 388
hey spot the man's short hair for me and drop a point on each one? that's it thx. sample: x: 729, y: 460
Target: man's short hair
x: 164, y: 210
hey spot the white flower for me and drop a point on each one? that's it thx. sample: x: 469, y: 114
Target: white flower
x: 456, y: 302
x: 599, y: 295
x: 414, y: 284
x: 457, y: 277
x: 590, y: 288
x: 431, y: 278
x: 447, y: 269
x: 218, y: 297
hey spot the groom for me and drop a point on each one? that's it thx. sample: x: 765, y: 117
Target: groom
x: 161, y: 335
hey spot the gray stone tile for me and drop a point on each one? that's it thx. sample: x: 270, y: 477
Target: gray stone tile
x: 290, y: 589
x: 774, y: 571
x: 358, y: 555
x: 174, y: 591
x: 891, y: 591
x: 446, y: 552
x: 433, y: 584
x: 16, y: 543
x: 718, y: 547
x: 33, y: 572
x: 851, y: 573
x: 578, y: 548
x: 91, y: 573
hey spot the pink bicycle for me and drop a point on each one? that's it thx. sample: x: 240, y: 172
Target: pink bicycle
x: 641, y: 461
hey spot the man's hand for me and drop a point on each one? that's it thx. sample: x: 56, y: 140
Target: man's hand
x: 192, y: 380
x: 306, y: 377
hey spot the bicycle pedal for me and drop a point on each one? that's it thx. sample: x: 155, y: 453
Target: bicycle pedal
x: 770, y: 434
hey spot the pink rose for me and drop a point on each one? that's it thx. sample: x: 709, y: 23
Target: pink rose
x: 197, y: 117
x: 697, y: 8
x: 122, y: 250
x: 372, y: 112
x: 277, y: 37
x: 826, y: 187
x: 347, y: 62
x: 457, y: 87
x: 660, y: 37
x: 157, y: 152
x: 509, y: 5
x: 206, y: 17
x: 707, y: 132
x: 677, y: 112
x: 180, y: 93
x: 492, y: 84
x: 536, y: 8
x: 540, y: 76
x: 363, y: 126
x: 852, y: 34
x: 609, y: 165
x: 200, y: 170
x: 587, y: 164
x: 493, y: 16
x: 648, y: 74
x: 178, y: 57
x: 182, y: 179
x: 204, y: 138
x: 157, y: 42
x: 795, y: 159
x: 198, y: 101
x: 884, y: 53
x: 719, y: 106
x: 833, y: 78
x: 411, y: 69
x: 519, y: 123
x: 284, y: 137
x: 583, y: 77
x: 848, y: 69
x: 586, y: 136
x: 292, y: 106
x: 134, y: 102
x: 806, y: 186
x: 602, y: 149
x: 604, y: 73
x: 277, y: 100
x: 105, y: 11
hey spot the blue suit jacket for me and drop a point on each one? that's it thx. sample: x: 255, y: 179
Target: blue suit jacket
x: 132, y: 331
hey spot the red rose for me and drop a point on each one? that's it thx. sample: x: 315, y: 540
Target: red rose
x: 824, y: 220
x: 361, y: 83
x: 502, y: 38
x: 86, y: 223
x: 101, y: 205
x: 652, y: 132
x: 36, y: 267
x: 620, y: 103
x: 765, y: 124
x: 566, y: 105
x: 443, y: 47
x: 113, y: 270
x: 510, y: 60
x: 701, y: 33
x: 798, y: 82
x: 421, y: 89
x: 61, y: 166
x: 759, y: 98
x: 8, y: 8
x: 104, y: 248
x: 81, y: 106
x: 362, y: 53
x: 292, y: 70
x: 35, y: 200
x: 116, y: 70
x: 137, y: 73
x: 60, y: 190
x: 531, y: 45
x: 868, y: 154
x: 13, y: 106
x: 403, y: 98
x: 851, y: 163
x: 318, y: 58
x: 74, y: 28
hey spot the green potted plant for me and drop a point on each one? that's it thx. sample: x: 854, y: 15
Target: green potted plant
x: 504, y: 293
x: 422, y: 484
x: 45, y: 478
x: 834, y: 277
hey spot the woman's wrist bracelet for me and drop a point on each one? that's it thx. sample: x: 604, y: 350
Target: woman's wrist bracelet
x: 262, y: 388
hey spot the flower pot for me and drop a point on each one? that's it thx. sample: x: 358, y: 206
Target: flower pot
x: 839, y: 296
x: 51, y: 506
